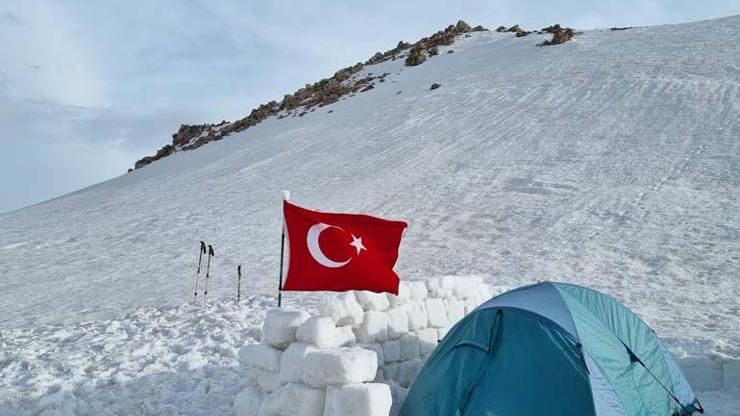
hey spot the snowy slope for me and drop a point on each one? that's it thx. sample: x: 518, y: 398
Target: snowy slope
x: 610, y: 161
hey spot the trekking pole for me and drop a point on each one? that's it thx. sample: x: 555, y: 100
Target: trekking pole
x: 208, y: 274
x: 238, y: 283
x: 201, y: 251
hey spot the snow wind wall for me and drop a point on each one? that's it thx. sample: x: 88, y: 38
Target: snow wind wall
x: 357, y: 354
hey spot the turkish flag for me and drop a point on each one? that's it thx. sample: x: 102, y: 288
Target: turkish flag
x: 339, y: 252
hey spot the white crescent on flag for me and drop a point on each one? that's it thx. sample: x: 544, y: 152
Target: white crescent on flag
x: 312, y: 240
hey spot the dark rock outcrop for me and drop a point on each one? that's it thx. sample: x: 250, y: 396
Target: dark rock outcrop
x: 165, y: 151
x: 463, y: 27
x: 559, y: 35
x: 434, y: 86
x: 417, y: 56
x: 516, y: 29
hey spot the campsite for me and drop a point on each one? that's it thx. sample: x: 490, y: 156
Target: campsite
x: 304, y: 209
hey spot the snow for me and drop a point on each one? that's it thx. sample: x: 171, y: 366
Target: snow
x: 358, y: 400
x: 408, y: 370
x: 391, y: 351
x: 268, y: 381
x: 418, y: 290
x: 321, y: 332
x: 409, y: 345
x: 427, y: 340
x: 166, y: 361
x: 291, y: 363
x: 455, y: 310
x: 610, y: 161
x: 293, y: 400
x: 339, y: 366
x: 262, y: 356
x: 436, y: 311
x: 417, y: 314
x: 374, y: 327
x: 377, y: 348
x: 343, y: 309
x: 390, y: 371
x: 280, y: 326
x: 371, y: 301
x: 404, y: 294
x: 398, y: 322
x: 248, y: 401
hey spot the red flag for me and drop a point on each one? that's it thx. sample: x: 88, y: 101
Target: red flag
x: 339, y: 252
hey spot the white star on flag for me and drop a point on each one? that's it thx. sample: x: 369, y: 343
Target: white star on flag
x: 357, y: 243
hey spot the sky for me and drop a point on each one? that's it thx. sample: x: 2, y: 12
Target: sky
x: 87, y: 88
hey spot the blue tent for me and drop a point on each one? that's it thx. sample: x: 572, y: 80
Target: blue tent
x: 551, y: 349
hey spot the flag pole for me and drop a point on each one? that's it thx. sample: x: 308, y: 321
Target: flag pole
x: 286, y: 196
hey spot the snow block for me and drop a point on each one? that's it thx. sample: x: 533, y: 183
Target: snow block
x: 434, y: 286
x: 391, y: 351
x: 440, y: 287
x: 248, y: 401
x: 404, y: 294
x: 390, y: 371
x: 448, y: 283
x: 346, y: 336
x: 261, y: 356
x: 455, y: 310
x: 409, y: 345
x: 398, y: 322
x: 371, y: 301
x: 408, y: 370
x: 291, y: 363
x: 339, y: 366
x: 471, y: 304
x: 377, y: 348
x: 374, y: 328
x: 418, y: 290
x: 372, y: 399
x: 437, y: 313
x: 427, y: 340
x: 269, y: 381
x: 293, y: 400
x: 486, y: 292
x: 280, y: 326
x: 320, y: 332
x: 466, y: 287
x: 417, y: 313
x: 399, y: 396
x: 343, y: 309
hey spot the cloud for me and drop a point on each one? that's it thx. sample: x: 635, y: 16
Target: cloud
x: 9, y: 19
x: 50, y: 148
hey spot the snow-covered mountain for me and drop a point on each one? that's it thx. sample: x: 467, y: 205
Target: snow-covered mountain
x: 612, y: 160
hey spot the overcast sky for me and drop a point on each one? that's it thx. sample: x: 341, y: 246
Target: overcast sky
x: 87, y: 88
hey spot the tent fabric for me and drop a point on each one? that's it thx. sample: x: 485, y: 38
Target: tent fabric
x: 543, y: 300
x: 555, y: 349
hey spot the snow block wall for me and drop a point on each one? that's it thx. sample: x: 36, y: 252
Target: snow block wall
x: 358, y: 354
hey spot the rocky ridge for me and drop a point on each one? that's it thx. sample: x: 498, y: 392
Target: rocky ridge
x: 330, y: 90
